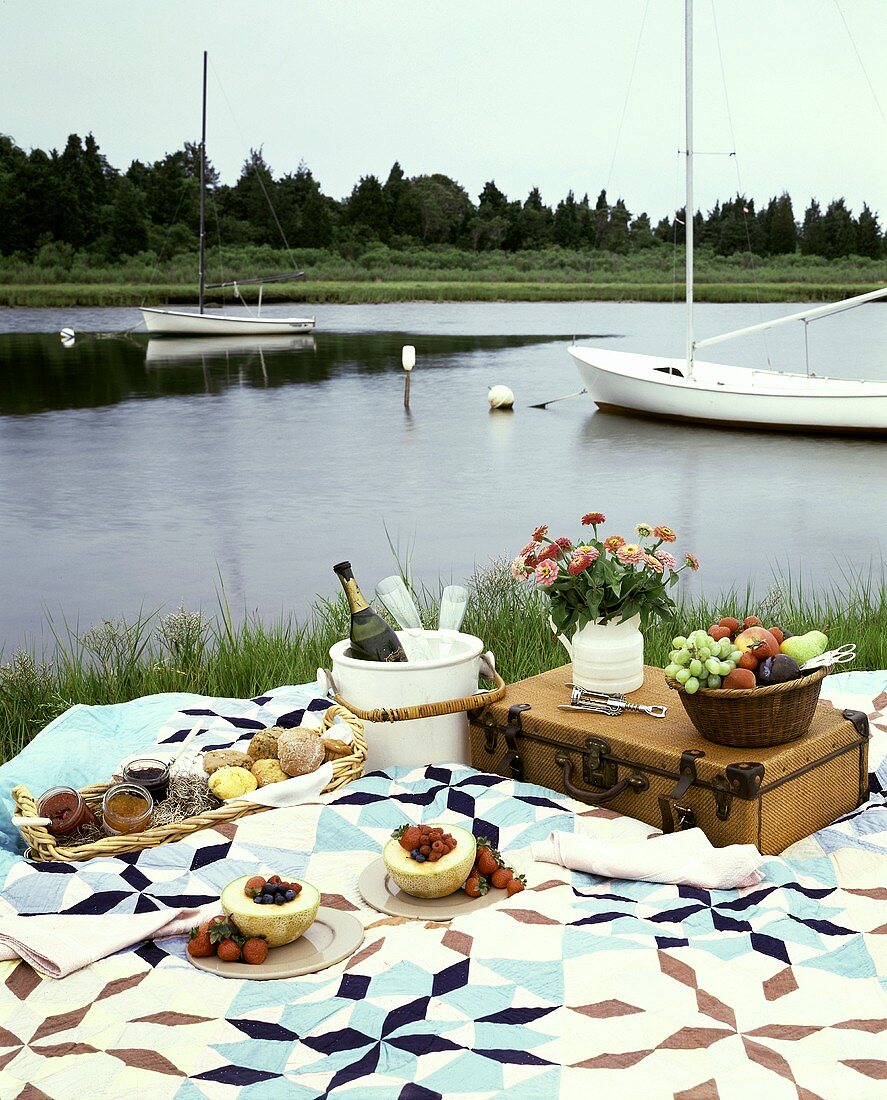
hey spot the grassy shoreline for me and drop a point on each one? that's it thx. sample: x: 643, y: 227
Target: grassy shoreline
x: 103, y: 295
x: 186, y: 651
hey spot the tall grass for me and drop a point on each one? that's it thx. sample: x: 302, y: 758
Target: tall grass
x: 187, y: 651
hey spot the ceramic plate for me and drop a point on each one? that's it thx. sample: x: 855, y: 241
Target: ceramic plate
x: 333, y: 936
x: 378, y: 889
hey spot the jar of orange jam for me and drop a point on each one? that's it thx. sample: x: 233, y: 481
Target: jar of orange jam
x: 126, y: 808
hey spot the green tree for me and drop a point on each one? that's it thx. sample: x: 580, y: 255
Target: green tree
x: 366, y: 207
x: 617, y: 239
x: 640, y: 232
x: 566, y: 222
x: 536, y: 221
x: 444, y: 208
x: 127, y: 223
x: 839, y: 230
x: 253, y: 200
x: 813, y: 235
x: 869, y: 239
x: 780, y: 233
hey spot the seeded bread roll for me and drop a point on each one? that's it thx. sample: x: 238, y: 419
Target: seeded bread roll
x: 225, y: 758
x: 300, y: 751
x: 264, y: 744
x: 268, y: 771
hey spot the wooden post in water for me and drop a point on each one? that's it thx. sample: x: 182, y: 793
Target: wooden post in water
x: 408, y: 359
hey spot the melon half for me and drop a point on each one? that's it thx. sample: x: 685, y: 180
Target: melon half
x: 432, y: 880
x: 279, y: 924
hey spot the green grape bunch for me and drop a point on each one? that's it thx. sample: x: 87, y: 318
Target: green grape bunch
x: 699, y: 661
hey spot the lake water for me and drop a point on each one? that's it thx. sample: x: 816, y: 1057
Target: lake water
x: 139, y: 475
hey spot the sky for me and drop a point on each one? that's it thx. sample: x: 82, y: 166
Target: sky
x: 576, y: 95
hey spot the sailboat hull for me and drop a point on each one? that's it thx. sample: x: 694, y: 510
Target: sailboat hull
x: 171, y: 322
x: 721, y: 395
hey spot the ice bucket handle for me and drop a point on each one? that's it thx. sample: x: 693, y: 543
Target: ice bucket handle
x: 428, y: 710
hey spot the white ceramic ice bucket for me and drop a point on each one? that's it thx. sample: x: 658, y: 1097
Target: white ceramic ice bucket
x: 450, y: 672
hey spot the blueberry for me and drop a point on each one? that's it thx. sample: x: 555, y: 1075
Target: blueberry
x: 290, y: 895
x: 279, y: 900
x: 420, y: 858
x: 259, y: 900
x: 414, y: 852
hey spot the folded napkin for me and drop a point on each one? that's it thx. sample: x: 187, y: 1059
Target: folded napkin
x: 58, y: 944
x: 686, y: 858
x: 292, y: 792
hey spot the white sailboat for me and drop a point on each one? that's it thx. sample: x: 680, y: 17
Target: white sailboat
x: 691, y: 390
x: 182, y: 322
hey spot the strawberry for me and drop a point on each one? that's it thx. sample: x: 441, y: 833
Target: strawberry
x: 475, y: 887
x: 410, y: 838
x: 200, y: 946
x: 255, y: 951
x: 254, y: 886
x: 228, y: 950
x: 486, y: 861
x: 516, y: 885
x: 501, y: 878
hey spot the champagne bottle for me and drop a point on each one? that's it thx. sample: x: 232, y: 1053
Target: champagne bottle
x: 372, y: 639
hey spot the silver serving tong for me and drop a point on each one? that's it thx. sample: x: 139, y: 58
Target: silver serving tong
x: 602, y: 702
x: 840, y: 656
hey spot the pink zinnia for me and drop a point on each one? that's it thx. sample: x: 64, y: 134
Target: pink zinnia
x: 592, y: 519
x: 547, y: 553
x: 667, y: 559
x: 654, y: 563
x: 692, y: 561
x: 613, y: 543
x: 579, y: 563
x: 540, y: 532
x: 591, y: 551
x: 519, y: 568
x: 564, y: 544
x: 665, y: 533
x: 630, y: 553
x: 530, y: 548
x: 546, y: 572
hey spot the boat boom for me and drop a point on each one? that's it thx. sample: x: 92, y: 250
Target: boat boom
x: 804, y: 315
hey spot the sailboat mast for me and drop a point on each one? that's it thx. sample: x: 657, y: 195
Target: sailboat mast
x: 201, y: 264
x: 688, y: 206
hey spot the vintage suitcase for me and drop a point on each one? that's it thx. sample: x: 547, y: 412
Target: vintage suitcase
x: 663, y: 772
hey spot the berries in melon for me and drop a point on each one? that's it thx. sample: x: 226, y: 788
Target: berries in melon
x: 278, y: 924
x: 438, y: 873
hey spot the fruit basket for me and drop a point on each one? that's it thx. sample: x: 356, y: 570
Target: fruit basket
x: 45, y: 847
x: 754, y: 717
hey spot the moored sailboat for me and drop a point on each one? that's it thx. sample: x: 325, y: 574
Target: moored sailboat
x: 717, y: 394
x: 182, y: 322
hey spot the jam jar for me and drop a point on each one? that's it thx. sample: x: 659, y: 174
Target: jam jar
x: 126, y: 808
x: 66, y: 809
x: 149, y: 773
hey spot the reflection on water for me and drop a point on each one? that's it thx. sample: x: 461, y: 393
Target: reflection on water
x: 136, y: 474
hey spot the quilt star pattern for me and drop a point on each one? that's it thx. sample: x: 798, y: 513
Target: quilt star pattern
x: 576, y: 986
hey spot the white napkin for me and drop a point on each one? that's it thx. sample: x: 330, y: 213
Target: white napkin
x: 58, y: 944
x: 291, y: 792
x: 686, y: 858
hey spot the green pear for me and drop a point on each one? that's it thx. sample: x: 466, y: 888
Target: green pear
x: 804, y: 647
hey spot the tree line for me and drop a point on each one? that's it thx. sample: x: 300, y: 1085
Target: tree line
x: 75, y: 200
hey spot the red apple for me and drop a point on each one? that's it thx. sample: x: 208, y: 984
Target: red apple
x: 758, y: 641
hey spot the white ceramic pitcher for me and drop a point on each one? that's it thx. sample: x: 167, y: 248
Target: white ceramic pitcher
x: 608, y: 656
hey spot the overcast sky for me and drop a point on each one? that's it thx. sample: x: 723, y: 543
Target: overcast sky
x: 528, y: 94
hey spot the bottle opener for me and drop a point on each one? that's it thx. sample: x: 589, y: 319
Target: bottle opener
x: 602, y: 702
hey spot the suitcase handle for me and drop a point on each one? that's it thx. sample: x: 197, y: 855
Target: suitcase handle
x: 635, y: 782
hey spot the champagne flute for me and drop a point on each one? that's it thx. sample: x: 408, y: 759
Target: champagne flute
x: 395, y: 595
x: 453, y: 604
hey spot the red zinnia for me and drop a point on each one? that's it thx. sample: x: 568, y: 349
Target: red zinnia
x: 592, y: 519
x: 547, y: 552
x: 564, y: 544
x: 579, y: 563
x: 540, y: 532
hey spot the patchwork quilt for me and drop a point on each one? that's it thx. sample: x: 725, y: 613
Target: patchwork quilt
x: 576, y: 986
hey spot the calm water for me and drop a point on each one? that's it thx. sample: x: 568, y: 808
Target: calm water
x: 135, y: 475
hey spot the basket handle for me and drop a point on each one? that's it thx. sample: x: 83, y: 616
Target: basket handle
x: 428, y: 710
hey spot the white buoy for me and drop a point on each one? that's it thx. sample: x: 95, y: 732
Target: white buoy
x: 500, y: 397
x: 67, y: 337
x: 408, y: 360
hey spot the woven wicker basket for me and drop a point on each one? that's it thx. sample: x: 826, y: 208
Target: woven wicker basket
x: 754, y: 717
x: 47, y: 848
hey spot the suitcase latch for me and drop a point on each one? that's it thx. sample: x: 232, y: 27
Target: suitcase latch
x: 512, y: 759
x: 597, y: 770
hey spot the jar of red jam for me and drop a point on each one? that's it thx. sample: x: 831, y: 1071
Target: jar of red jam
x: 126, y: 808
x: 66, y: 810
x: 150, y: 773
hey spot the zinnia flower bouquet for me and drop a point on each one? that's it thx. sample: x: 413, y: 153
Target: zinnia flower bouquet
x: 603, y: 579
